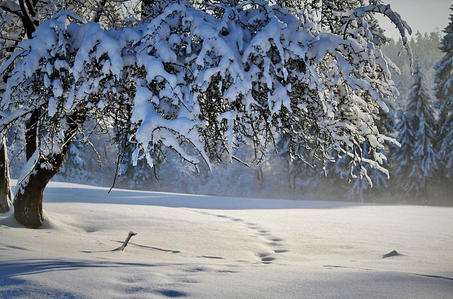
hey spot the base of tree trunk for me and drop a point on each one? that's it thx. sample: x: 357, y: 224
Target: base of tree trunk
x: 29, y: 197
x: 28, y: 202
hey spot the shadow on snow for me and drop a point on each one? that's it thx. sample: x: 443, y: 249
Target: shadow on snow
x: 14, y: 283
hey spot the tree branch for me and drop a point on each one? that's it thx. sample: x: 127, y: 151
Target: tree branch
x: 30, y: 8
x: 99, y: 11
x: 11, y: 7
x: 28, y: 23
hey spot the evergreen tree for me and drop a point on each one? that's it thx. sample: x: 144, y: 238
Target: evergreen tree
x: 444, y: 93
x: 417, y: 157
x: 402, y: 155
x: 425, y: 48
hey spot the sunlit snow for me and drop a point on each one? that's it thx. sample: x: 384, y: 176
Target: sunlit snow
x: 210, y: 247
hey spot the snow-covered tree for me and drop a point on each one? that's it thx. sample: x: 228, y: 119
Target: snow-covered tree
x: 444, y: 93
x: 425, y: 49
x: 18, y: 20
x: 403, y: 154
x: 417, y: 156
x: 200, y: 82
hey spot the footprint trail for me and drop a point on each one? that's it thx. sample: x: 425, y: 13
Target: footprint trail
x: 274, y: 244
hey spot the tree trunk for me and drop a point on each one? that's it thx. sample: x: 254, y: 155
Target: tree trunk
x: 31, y: 134
x: 28, y: 202
x: 5, y: 185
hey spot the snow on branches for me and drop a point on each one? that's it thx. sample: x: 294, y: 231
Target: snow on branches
x: 202, y: 83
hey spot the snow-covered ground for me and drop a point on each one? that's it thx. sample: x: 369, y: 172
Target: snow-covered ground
x: 208, y: 247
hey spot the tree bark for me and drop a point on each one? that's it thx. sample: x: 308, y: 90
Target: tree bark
x: 31, y: 134
x: 5, y: 185
x: 28, y: 202
x: 28, y: 209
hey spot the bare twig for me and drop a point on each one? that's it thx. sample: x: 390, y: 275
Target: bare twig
x: 131, y: 234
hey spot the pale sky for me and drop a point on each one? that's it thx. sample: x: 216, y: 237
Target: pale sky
x: 421, y: 15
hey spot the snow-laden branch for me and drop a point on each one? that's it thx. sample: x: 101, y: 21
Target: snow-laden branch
x: 201, y: 84
x: 395, y: 18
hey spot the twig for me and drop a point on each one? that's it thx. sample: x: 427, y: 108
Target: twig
x: 131, y: 234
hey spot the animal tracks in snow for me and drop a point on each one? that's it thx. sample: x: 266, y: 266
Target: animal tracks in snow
x: 275, y: 245
x: 177, y: 281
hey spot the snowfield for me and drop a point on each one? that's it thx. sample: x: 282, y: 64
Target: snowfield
x: 209, y: 247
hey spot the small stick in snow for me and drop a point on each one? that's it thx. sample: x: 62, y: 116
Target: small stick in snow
x: 131, y: 234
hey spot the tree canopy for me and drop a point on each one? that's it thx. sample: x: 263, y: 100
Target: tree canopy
x: 202, y: 79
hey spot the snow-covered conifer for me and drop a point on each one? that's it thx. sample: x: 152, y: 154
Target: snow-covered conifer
x: 417, y: 156
x: 444, y: 93
x: 402, y: 155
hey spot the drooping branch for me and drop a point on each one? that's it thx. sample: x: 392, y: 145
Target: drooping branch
x: 386, y: 10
